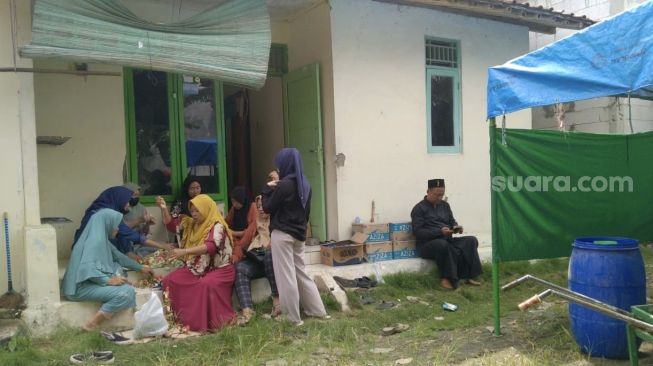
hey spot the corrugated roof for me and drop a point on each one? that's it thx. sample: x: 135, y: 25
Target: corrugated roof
x: 537, y: 19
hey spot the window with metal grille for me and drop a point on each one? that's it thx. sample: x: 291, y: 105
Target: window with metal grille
x: 441, y: 53
x: 278, y: 64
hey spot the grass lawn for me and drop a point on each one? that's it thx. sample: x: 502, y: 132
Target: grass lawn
x: 436, y: 337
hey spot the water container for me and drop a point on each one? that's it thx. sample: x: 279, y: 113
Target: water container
x: 611, y: 270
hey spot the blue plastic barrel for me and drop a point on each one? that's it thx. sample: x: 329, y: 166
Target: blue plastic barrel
x: 611, y: 270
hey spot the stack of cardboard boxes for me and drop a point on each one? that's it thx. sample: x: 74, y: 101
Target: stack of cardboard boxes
x: 374, y: 242
x: 403, y: 240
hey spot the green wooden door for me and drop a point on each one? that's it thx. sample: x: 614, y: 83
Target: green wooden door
x: 303, y: 130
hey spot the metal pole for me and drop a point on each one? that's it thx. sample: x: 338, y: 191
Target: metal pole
x: 559, y: 289
x: 493, y: 216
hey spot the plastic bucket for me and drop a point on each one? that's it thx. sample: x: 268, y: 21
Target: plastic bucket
x: 611, y: 270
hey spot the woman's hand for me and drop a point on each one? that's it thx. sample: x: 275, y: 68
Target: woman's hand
x: 167, y: 246
x: 161, y: 203
x: 178, y: 253
x: 117, y: 281
x: 147, y: 270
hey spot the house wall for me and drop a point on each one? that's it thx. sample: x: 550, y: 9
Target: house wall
x: 90, y: 110
x: 380, y: 110
x: 33, y: 246
x: 600, y: 115
x: 11, y: 186
x: 266, y: 118
x: 309, y: 41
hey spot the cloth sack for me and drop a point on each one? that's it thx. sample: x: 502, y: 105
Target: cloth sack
x: 150, y: 321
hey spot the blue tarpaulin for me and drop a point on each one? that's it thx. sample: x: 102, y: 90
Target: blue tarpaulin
x: 610, y: 58
x: 201, y: 152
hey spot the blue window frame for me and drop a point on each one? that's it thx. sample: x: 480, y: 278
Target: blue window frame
x: 443, y: 97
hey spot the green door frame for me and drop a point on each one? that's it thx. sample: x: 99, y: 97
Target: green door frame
x: 310, y: 71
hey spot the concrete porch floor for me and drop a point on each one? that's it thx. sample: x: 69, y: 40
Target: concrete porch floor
x: 74, y: 314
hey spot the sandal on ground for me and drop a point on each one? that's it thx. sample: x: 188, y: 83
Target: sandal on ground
x: 345, y: 282
x: 101, y: 357
x: 446, y: 284
x: 365, y: 282
x: 397, y: 328
x: 366, y: 300
x: 385, y: 305
x: 276, y: 311
x: 245, y: 317
x: 284, y: 318
x: 115, y: 338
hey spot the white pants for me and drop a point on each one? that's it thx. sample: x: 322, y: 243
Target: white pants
x: 292, y: 281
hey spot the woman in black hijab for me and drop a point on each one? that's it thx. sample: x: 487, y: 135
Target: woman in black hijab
x: 189, y: 190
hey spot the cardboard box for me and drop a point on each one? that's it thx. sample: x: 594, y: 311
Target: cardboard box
x: 344, y: 253
x: 375, y: 232
x: 404, y: 249
x: 380, y: 251
x: 401, y: 231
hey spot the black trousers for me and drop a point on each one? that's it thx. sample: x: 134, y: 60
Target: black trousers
x: 456, y: 258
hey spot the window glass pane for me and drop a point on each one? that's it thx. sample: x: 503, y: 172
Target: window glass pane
x: 152, y: 132
x: 200, y: 132
x: 442, y: 107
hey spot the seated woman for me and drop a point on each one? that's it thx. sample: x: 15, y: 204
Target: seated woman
x: 189, y: 189
x: 200, y: 291
x: 246, y: 221
x: 95, y: 271
x: 116, y: 198
x: 135, y: 242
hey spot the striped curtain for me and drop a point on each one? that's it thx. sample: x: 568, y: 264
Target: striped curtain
x: 228, y: 42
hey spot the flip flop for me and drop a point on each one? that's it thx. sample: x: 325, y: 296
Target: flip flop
x: 367, y: 300
x: 345, y: 283
x: 365, y: 282
x: 385, y: 305
x: 397, y: 328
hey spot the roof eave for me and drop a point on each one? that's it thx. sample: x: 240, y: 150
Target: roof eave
x: 536, y: 19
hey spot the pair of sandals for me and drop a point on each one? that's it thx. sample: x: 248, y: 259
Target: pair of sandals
x: 247, y: 315
x: 99, y: 357
x: 362, y: 282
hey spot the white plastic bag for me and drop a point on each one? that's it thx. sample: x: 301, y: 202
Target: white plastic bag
x: 150, y: 320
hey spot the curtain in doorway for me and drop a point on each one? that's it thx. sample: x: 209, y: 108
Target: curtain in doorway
x: 229, y: 41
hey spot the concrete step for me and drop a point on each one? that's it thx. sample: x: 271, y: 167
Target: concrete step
x: 75, y: 314
x: 10, y: 328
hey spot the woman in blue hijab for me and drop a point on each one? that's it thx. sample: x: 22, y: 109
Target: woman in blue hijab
x: 116, y: 198
x: 289, y: 205
x: 95, y: 271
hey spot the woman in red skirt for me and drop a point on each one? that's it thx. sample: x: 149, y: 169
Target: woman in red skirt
x: 200, y: 291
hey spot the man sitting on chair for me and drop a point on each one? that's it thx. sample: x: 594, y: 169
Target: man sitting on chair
x: 434, y: 226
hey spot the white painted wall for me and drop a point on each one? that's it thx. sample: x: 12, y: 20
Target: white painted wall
x: 600, y: 115
x: 309, y: 41
x: 91, y: 111
x: 380, y: 110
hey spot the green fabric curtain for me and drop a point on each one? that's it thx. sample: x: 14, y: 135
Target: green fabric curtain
x: 228, y: 42
x: 532, y: 223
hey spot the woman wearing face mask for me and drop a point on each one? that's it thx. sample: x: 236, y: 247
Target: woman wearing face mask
x: 200, y: 291
x: 289, y: 205
x: 116, y: 198
x: 95, y: 271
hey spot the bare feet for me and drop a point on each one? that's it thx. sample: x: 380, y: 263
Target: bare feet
x: 276, y: 307
x: 446, y: 284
